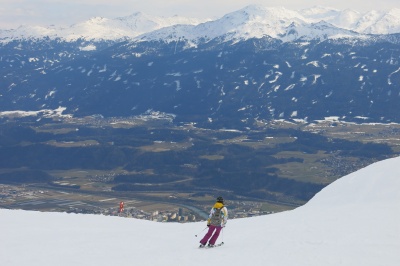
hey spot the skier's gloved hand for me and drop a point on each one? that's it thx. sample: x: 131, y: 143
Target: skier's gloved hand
x: 208, y: 225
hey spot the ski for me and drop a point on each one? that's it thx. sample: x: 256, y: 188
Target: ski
x: 215, y: 246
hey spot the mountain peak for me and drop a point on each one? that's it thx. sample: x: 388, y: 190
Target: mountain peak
x: 380, y: 22
x: 257, y: 21
x: 252, y: 21
x: 319, y: 11
x: 257, y: 12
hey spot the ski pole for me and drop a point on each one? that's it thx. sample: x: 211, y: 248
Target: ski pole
x: 201, y: 231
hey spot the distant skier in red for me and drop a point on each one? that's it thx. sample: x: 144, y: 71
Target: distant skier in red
x: 121, y: 207
x: 216, y: 221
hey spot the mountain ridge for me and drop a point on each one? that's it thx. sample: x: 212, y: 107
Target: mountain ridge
x: 252, y: 19
x: 97, y: 28
x: 209, y: 71
x: 210, y: 81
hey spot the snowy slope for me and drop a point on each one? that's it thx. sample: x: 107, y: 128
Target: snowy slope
x: 354, y: 221
x: 380, y: 22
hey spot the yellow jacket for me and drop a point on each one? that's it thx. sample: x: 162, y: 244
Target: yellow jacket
x: 219, y: 205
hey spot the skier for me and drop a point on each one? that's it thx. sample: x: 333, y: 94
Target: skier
x: 121, y: 207
x: 216, y: 221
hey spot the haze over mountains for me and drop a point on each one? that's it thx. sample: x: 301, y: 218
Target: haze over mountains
x: 99, y: 28
x: 251, y: 21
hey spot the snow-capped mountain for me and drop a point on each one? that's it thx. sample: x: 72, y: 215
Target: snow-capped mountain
x: 254, y: 21
x: 380, y: 22
x: 353, y: 221
x: 256, y: 63
x: 372, y: 22
x: 98, y: 28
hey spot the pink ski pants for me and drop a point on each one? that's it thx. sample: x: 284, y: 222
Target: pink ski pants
x: 209, y: 234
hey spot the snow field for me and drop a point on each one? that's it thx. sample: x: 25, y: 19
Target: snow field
x: 353, y: 221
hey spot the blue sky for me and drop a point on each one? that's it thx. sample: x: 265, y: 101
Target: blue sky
x: 66, y: 12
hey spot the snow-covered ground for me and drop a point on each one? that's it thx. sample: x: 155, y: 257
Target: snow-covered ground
x: 353, y: 222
